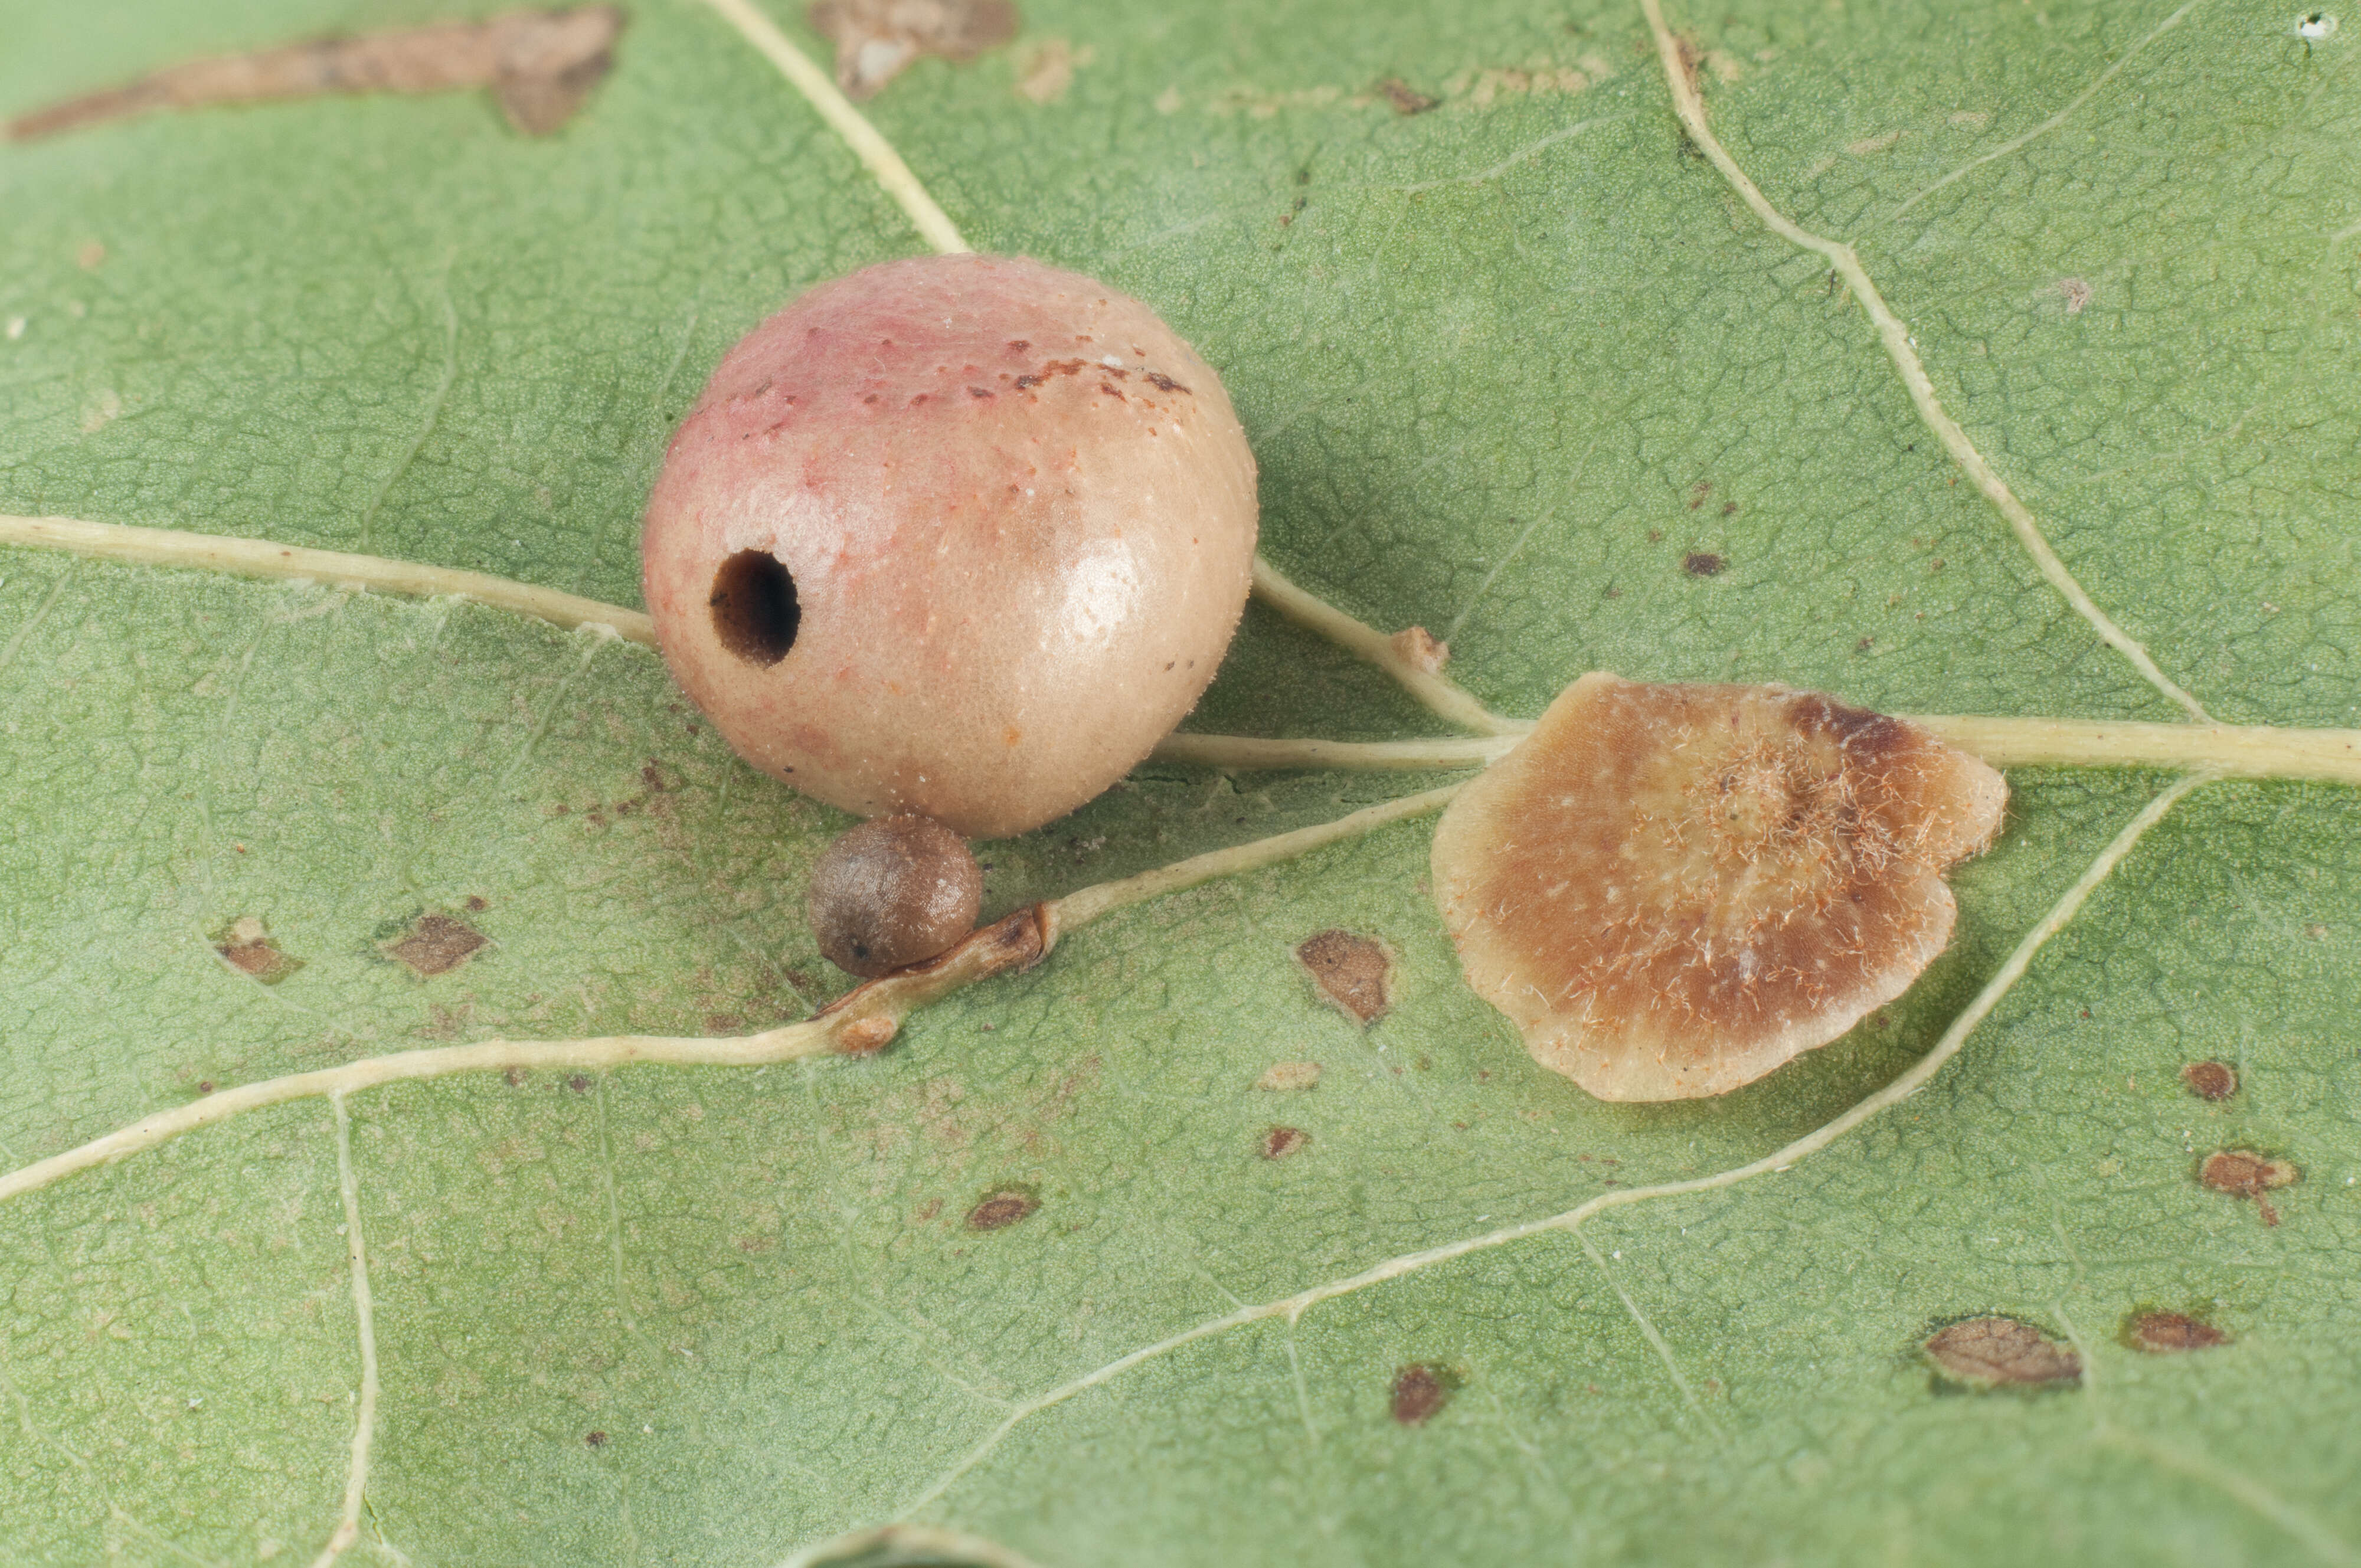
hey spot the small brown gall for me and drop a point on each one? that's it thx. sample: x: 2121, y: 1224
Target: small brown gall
x: 1671, y: 890
x: 892, y: 892
x: 961, y: 535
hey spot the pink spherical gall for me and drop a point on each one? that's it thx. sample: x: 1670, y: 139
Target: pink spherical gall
x: 963, y: 536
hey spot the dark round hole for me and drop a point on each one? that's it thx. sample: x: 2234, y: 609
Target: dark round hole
x: 754, y: 609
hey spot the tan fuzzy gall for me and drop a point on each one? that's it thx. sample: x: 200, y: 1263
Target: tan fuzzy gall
x: 1672, y: 890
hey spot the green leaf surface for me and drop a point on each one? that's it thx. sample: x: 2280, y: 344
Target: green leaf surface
x: 1506, y: 364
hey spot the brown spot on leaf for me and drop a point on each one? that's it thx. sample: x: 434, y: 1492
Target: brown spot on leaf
x: 1996, y: 1352
x: 2169, y: 1334
x: 652, y: 776
x: 1421, y: 649
x: 1351, y: 972
x: 1278, y: 1143
x: 2211, y: 1080
x: 875, y: 39
x: 579, y: 1083
x: 2243, y: 1173
x: 436, y: 944
x: 1702, y: 564
x: 1404, y: 99
x: 594, y: 1439
x: 1049, y: 70
x: 1001, y: 1209
x: 248, y: 947
x: 1290, y: 1075
x: 1419, y: 1390
x: 541, y: 65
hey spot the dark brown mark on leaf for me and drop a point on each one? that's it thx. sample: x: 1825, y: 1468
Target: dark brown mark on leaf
x: 594, y: 1439
x: 1278, y: 1143
x: 1419, y: 1390
x: 436, y: 944
x: 1702, y: 564
x: 1995, y: 1351
x: 2209, y: 1079
x: 2243, y: 1173
x: 579, y: 1084
x: 876, y: 40
x: 1001, y: 1209
x: 2169, y: 1334
x: 540, y: 64
x: 1403, y: 98
x: 1351, y: 972
x: 247, y: 945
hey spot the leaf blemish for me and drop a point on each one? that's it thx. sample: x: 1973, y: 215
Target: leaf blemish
x: 2209, y: 1079
x: 1419, y: 1390
x: 1353, y: 972
x: 541, y: 64
x: 436, y: 944
x: 246, y: 947
x: 877, y: 39
x: 2243, y: 1173
x: 2170, y: 1334
x: 1278, y: 1143
x: 1001, y: 1209
x: 1703, y: 564
x: 1996, y: 1352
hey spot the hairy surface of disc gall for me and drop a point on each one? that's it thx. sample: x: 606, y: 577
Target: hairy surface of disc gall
x: 961, y: 535
x: 1671, y: 890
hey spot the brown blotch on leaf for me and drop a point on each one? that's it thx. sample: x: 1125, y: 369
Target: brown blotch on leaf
x: 594, y: 1439
x: 436, y: 944
x: 1351, y: 972
x: 1421, y: 649
x: 247, y: 948
x: 2169, y: 1334
x: 1403, y: 98
x: 1671, y: 890
x: 1419, y: 1390
x: 541, y: 65
x: 1001, y: 1209
x: 1702, y: 564
x: 875, y: 39
x: 1290, y: 1075
x: 2211, y: 1080
x: 1278, y: 1143
x: 2243, y: 1173
x: 1996, y: 1353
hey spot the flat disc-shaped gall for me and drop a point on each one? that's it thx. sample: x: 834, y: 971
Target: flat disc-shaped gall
x: 1671, y: 890
x: 963, y: 536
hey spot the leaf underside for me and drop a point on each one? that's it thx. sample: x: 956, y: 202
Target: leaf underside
x: 1503, y: 376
